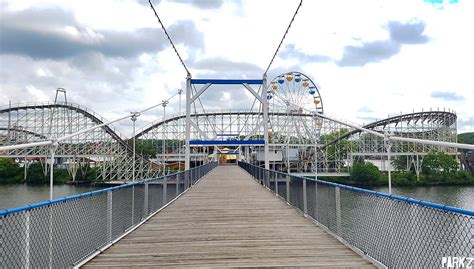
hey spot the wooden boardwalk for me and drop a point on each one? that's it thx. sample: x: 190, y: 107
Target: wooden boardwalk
x: 229, y: 220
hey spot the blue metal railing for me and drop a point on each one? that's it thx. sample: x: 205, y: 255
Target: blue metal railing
x: 63, y: 232
x: 396, y: 231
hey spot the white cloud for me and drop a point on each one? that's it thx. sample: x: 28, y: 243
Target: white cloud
x: 37, y: 94
x: 246, y: 33
x: 41, y: 72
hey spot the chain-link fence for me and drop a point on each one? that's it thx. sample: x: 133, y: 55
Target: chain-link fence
x: 398, y: 232
x: 63, y: 232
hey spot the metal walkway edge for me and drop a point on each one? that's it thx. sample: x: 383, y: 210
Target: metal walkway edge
x: 229, y: 220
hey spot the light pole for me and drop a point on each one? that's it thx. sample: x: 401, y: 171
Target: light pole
x: 134, y: 117
x: 315, y: 150
x: 163, y: 144
x: 180, y: 92
x: 388, y: 147
x: 54, y: 146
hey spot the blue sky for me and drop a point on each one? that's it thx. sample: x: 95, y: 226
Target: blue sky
x: 370, y: 58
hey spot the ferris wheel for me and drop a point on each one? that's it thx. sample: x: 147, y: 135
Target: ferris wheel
x: 294, y: 93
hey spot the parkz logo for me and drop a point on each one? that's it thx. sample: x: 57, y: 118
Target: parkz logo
x: 457, y: 262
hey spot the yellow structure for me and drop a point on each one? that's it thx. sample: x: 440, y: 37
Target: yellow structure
x: 225, y: 157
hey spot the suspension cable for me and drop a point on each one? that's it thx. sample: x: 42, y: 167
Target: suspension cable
x: 169, y: 38
x: 283, y: 38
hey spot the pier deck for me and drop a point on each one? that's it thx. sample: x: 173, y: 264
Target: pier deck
x: 229, y: 220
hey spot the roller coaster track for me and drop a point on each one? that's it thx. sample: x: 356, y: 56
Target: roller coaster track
x: 94, y: 117
x: 443, y: 118
x: 426, y: 123
x: 19, y: 130
x: 76, y: 108
x: 116, y: 156
x: 176, y: 117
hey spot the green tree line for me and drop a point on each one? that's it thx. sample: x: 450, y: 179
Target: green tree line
x: 466, y: 138
x: 12, y: 173
x: 438, y: 168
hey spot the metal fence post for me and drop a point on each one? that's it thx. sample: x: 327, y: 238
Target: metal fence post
x: 276, y: 183
x: 264, y: 177
x: 305, y: 200
x: 165, y: 190
x: 50, y: 245
x: 177, y: 184
x: 185, y: 180
x: 190, y: 179
x: 133, y: 205
x: 109, y: 215
x: 145, y: 202
x: 27, y: 240
x: 267, y: 178
x: 338, y: 211
x: 316, y: 211
x: 288, y: 178
x: 269, y: 173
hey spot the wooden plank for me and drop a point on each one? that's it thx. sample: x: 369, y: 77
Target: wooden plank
x: 229, y: 220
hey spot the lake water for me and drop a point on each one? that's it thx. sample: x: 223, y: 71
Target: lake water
x: 457, y: 196
x: 21, y: 194
x: 18, y: 195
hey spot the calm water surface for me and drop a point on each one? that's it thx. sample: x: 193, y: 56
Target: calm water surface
x: 457, y: 196
x: 18, y: 195
x: 21, y: 194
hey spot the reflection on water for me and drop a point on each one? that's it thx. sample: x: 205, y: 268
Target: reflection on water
x: 21, y: 194
x: 457, y: 196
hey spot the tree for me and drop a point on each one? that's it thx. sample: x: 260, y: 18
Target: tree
x: 466, y: 138
x: 35, y: 174
x: 338, y: 150
x: 10, y: 172
x: 439, y: 162
x: 400, y: 162
x: 365, y: 174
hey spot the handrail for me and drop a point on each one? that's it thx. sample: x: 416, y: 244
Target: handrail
x: 85, y: 194
x: 56, y: 225
x: 381, y: 194
x: 391, y: 230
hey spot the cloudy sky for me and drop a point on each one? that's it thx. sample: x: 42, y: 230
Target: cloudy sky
x: 370, y: 58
